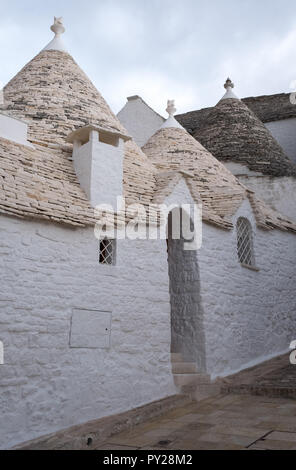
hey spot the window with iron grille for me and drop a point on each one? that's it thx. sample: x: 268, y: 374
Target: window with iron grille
x: 107, y: 251
x: 245, y: 249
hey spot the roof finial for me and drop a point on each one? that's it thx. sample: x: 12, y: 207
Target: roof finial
x: 229, y: 85
x: 58, y: 29
x: 171, y: 108
x: 171, y: 121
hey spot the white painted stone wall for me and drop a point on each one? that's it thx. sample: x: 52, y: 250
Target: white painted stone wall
x: 249, y: 316
x: 139, y: 119
x: 99, y: 169
x: 279, y: 193
x: 244, y: 317
x: 14, y: 130
x: 284, y: 131
x: 188, y: 335
x: 48, y: 272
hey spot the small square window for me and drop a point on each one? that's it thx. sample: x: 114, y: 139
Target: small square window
x: 107, y: 251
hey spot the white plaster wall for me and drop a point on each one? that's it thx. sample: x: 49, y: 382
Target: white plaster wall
x: 140, y: 120
x: 279, y: 193
x: 99, y: 168
x: 284, y: 131
x: 48, y: 271
x: 107, y: 171
x: 249, y: 316
x: 188, y: 336
x: 14, y: 129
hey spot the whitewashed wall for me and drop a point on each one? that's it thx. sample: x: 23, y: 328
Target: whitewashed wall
x: 284, y: 131
x: 139, y: 119
x: 188, y: 334
x: 46, y: 272
x: 249, y: 316
x: 279, y: 193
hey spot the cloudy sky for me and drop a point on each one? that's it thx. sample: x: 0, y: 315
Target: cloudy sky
x: 161, y: 49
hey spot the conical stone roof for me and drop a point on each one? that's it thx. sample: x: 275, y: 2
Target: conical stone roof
x: 173, y: 150
x: 232, y: 132
x: 55, y: 97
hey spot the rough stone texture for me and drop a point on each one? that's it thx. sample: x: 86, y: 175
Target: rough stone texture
x: 267, y: 108
x: 187, y: 315
x: 139, y: 119
x: 56, y: 97
x: 193, y: 120
x: 274, y: 378
x: 224, y: 422
x: 218, y: 190
x: 272, y: 107
x: 258, y: 324
x: 49, y: 271
x: 173, y: 150
x: 89, y: 435
x: 186, y: 310
x: 42, y: 183
x: 232, y: 132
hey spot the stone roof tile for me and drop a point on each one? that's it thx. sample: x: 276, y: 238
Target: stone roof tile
x: 173, y: 151
x: 267, y: 108
x: 55, y: 97
x: 232, y: 132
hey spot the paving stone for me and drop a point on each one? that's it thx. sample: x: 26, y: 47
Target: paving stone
x: 282, y: 436
x: 274, y: 378
x: 276, y: 445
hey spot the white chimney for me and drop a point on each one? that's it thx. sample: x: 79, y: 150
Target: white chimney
x: 14, y: 130
x: 98, y: 161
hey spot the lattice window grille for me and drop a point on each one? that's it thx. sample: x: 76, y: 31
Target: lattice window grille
x: 106, y: 251
x: 245, y: 242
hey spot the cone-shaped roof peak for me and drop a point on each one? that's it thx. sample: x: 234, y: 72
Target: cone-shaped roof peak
x: 232, y: 132
x: 56, y: 97
x: 57, y: 43
x: 229, y: 85
x: 171, y: 121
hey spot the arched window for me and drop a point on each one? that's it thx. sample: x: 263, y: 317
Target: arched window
x: 245, y: 248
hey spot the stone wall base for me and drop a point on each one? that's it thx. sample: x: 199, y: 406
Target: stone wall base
x: 89, y: 435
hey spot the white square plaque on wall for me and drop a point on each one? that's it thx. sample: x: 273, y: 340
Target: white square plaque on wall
x: 90, y: 329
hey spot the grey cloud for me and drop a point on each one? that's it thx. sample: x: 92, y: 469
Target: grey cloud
x: 159, y: 47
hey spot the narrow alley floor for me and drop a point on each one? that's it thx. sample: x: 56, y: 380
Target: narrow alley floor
x: 225, y: 422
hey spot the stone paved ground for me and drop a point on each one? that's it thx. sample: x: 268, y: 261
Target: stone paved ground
x: 254, y: 411
x: 223, y: 422
x: 274, y: 378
